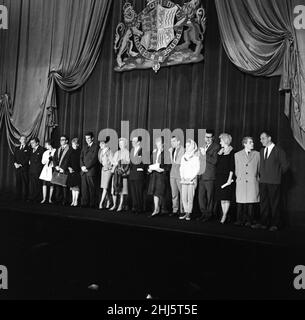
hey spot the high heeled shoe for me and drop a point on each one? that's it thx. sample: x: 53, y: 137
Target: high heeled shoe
x: 120, y: 209
x: 224, y: 219
x: 154, y: 214
x: 112, y: 208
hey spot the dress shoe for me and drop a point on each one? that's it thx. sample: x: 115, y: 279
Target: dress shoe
x: 154, y: 214
x: 238, y: 224
x: 273, y: 229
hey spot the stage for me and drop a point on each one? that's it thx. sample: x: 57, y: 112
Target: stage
x: 57, y: 252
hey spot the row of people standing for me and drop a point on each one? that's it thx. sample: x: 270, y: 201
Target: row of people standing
x: 211, y: 168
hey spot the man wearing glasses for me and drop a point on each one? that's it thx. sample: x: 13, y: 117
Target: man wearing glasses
x: 206, y: 187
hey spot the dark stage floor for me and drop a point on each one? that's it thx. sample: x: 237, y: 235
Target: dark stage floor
x: 55, y: 252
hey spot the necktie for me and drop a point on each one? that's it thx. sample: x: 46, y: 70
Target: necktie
x: 61, y: 153
x: 266, y: 153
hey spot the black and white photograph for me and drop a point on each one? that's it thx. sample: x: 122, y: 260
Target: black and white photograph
x: 152, y: 153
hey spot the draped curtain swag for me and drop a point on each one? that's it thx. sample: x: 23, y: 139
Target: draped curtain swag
x: 259, y: 37
x: 57, y: 42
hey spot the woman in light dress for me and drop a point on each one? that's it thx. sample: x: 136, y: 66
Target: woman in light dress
x: 47, y: 171
x: 105, y: 157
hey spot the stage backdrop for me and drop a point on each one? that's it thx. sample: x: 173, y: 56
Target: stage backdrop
x: 213, y: 94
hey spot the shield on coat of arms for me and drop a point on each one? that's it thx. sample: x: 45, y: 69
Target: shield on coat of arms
x: 158, y: 27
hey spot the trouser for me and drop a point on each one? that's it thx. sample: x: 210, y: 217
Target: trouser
x: 206, y: 190
x: 35, y: 186
x: 88, y: 191
x: 188, y: 193
x: 176, y: 194
x: 137, y: 194
x: 61, y: 194
x: 270, y: 204
x: 245, y: 212
x: 22, y: 184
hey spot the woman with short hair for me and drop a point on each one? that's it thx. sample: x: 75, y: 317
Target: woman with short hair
x: 224, y: 175
x: 47, y: 171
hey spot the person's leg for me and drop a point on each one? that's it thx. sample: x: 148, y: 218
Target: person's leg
x: 250, y: 214
x: 18, y: 184
x: 104, y: 193
x: 91, y: 187
x: 275, y: 196
x: 51, y: 193
x: 190, y: 200
x: 178, y: 182
x: 133, y: 196
x: 38, y: 189
x: 156, y: 205
x: 202, y: 198
x: 44, y: 193
x: 264, y: 204
x: 210, y: 190
x: 184, y: 195
x: 120, y: 208
x: 25, y: 184
x: 175, y: 195
x: 240, y: 214
x: 84, y: 196
x: 225, y: 205
x: 76, y: 197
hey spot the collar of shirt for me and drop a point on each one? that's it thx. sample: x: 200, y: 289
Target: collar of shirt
x: 136, y: 149
x: 90, y: 145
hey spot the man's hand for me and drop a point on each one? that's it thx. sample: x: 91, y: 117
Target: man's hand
x: 70, y: 170
x: 57, y: 168
x: 84, y: 169
x: 17, y: 166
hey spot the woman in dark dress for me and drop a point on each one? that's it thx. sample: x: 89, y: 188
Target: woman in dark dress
x: 74, y: 179
x: 224, y: 175
x: 159, y: 179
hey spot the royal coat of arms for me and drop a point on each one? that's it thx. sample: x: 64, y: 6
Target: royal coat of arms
x: 163, y: 34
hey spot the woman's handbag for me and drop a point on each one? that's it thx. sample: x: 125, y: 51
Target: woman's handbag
x: 59, y: 179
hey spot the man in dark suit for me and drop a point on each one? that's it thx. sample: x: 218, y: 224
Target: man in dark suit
x: 21, y: 163
x: 137, y: 176
x: 273, y: 164
x: 61, y: 164
x: 206, y: 187
x: 89, y: 170
x: 35, y: 169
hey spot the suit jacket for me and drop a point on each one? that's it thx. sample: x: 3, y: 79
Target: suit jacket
x: 176, y: 163
x: 62, y: 162
x: 89, y: 159
x: 22, y: 157
x: 137, y: 167
x: 35, y: 161
x: 247, y: 177
x: 208, y: 162
x: 272, y: 169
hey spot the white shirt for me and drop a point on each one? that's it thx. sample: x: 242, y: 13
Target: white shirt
x: 158, y: 155
x: 269, y: 150
x: 136, y: 149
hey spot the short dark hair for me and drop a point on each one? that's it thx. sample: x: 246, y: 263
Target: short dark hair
x: 49, y: 142
x: 36, y: 140
x: 269, y: 134
x: 64, y: 136
x: 210, y: 131
x: 139, y: 139
x: 89, y: 134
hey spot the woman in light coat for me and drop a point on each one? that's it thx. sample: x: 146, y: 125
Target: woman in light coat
x: 189, y: 169
x: 247, y: 163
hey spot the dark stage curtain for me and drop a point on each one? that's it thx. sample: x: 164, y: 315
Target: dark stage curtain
x: 260, y: 38
x: 47, y: 42
x: 213, y: 94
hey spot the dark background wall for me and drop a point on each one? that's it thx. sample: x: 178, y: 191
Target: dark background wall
x: 211, y: 94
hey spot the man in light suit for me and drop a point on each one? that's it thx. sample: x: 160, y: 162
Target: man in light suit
x: 206, y: 186
x: 89, y: 170
x: 61, y: 160
x: 21, y: 163
x: 247, y: 163
x: 137, y: 176
x: 176, y: 154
